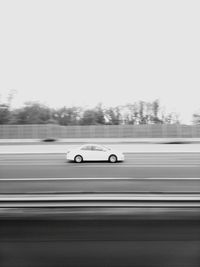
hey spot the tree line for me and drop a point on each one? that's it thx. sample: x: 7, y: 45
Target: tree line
x: 140, y: 112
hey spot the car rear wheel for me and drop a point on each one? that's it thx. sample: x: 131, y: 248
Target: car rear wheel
x: 78, y: 159
x: 112, y: 158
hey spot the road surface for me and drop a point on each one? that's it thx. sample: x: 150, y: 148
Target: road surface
x: 140, y: 172
x: 155, y: 237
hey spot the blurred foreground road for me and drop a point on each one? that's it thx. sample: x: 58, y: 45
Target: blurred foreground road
x: 100, y: 242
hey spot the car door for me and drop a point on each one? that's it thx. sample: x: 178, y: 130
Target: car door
x: 99, y: 153
x: 86, y: 152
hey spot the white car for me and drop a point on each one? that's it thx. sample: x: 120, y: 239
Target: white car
x: 93, y: 152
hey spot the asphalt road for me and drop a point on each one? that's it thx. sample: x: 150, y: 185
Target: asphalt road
x: 166, y: 240
x: 140, y: 172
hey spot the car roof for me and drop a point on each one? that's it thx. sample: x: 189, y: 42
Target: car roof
x: 92, y: 145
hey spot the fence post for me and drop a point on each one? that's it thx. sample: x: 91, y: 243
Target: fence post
x: 193, y: 128
x: 149, y: 131
x: 163, y: 131
x: 4, y: 134
x: 178, y: 131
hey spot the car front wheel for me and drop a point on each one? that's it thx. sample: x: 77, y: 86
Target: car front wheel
x: 112, y: 158
x: 78, y: 159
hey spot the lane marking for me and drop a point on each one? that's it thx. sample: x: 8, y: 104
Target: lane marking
x: 97, y: 178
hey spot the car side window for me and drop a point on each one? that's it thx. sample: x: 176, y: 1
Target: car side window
x: 86, y: 148
x: 97, y: 148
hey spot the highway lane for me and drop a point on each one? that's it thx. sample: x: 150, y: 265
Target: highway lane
x: 43, y: 172
x: 151, y: 158
x: 99, y: 185
x: 124, y: 146
x: 139, y: 165
x: 85, y: 171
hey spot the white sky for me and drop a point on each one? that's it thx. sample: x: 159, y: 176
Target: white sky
x: 114, y: 52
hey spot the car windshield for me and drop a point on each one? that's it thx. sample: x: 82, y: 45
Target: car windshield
x: 105, y: 147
